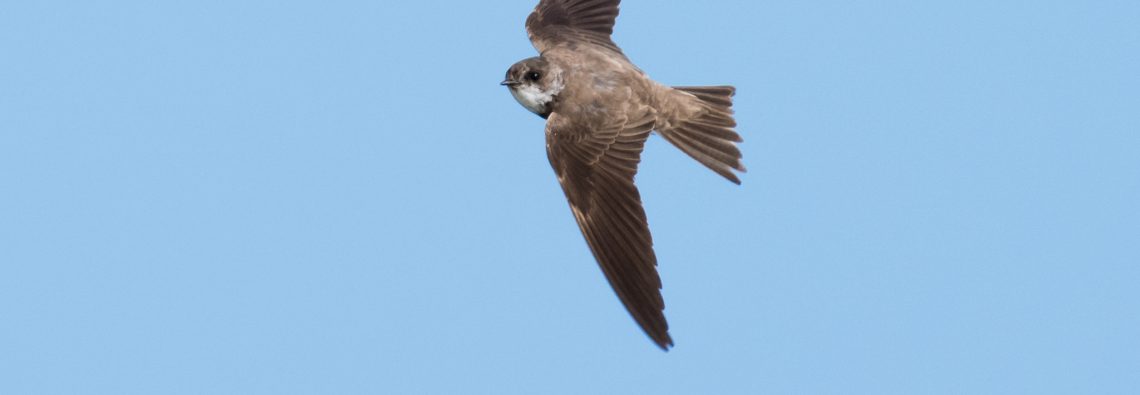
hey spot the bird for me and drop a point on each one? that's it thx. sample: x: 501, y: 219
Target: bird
x: 599, y: 109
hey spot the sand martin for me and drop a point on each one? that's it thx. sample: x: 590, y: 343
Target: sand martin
x: 599, y: 110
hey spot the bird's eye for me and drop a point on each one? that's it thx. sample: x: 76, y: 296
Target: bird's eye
x: 533, y: 76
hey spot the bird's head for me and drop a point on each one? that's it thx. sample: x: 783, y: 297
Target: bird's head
x: 535, y: 84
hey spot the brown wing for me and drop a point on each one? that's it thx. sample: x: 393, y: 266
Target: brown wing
x: 559, y: 21
x: 596, y: 169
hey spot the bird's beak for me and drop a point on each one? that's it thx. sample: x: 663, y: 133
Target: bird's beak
x: 509, y: 83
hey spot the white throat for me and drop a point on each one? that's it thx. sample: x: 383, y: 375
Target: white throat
x: 533, y: 98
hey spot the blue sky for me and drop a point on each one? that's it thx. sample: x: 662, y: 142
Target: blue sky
x: 337, y: 197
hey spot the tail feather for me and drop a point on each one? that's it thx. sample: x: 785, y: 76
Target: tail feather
x: 706, y: 132
x: 717, y: 95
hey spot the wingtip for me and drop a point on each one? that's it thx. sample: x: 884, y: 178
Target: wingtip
x: 730, y: 176
x: 736, y: 177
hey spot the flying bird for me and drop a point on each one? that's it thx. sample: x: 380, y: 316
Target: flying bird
x: 599, y: 109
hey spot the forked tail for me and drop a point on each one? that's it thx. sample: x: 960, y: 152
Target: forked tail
x: 702, y: 126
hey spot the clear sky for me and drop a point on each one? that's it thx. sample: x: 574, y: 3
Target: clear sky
x: 246, y: 197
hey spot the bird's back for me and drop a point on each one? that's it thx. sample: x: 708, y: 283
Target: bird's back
x: 596, y: 81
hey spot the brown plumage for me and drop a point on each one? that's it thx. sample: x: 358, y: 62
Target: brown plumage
x: 600, y: 109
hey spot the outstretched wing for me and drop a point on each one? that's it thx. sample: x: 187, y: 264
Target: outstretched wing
x: 559, y: 21
x: 596, y: 167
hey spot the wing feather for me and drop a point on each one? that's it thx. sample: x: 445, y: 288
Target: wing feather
x: 555, y: 22
x: 596, y: 167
